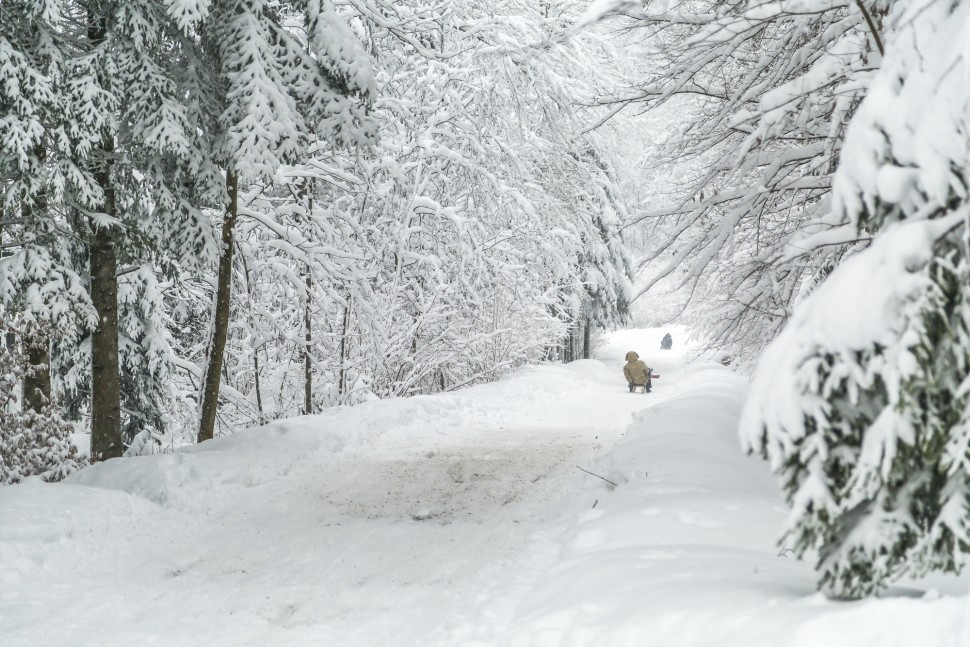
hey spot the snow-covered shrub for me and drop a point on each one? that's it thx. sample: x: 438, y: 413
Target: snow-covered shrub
x: 31, y: 442
x: 862, y: 404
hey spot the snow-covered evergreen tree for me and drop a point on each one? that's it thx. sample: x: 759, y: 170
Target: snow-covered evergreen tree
x: 34, y: 441
x: 39, y: 281
x: 110, y: 177
x: 143, y: 176
x: 862, y: 404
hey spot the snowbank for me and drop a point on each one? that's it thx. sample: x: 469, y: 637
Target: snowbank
x: 683, y: 552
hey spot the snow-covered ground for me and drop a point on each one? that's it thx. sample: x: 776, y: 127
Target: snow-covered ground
x: 461, y: 519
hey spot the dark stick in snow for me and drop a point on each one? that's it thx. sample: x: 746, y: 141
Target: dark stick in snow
x: 597, y: 476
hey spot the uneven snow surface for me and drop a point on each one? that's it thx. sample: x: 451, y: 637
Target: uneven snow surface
x: 458, y: 519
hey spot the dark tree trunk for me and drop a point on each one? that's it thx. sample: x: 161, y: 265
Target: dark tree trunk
x: 342, y: 381
x: 259, y: 394
x: 307, y: 365
x: 306, y: 190
x: 220, y: 324
x: 587, y: 329
x: 106, y: 439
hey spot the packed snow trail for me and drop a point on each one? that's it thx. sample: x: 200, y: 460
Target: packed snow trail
x: 457, y: 519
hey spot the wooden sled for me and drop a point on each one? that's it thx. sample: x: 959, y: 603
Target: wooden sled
x: 643, y: 387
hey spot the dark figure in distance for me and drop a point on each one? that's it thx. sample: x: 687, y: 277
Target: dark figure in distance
x: 667, y: 342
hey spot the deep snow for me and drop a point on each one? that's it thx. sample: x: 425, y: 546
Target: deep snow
x: 456, y: 519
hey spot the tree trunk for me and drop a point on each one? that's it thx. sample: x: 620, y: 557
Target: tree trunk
x: 307, y: 365
x: 306, y: 191
x: 259, y: 395
x: 587, y: 345
x: 342, y: 381
x: 220, y: 325
x: 106, y: 439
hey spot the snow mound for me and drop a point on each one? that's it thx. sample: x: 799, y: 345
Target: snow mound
x: 682, y: 552
x: 213, y: 472
x: 45, y: 531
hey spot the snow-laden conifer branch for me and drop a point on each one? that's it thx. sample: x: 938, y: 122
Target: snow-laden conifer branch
x: 861, y: 404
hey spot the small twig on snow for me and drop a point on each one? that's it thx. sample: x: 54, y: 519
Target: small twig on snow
x: 597, y: 476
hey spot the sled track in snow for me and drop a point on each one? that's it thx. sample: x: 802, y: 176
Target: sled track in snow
x: 453, y: 483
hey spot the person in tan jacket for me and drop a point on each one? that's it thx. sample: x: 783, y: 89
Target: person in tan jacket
x: 636, y: 372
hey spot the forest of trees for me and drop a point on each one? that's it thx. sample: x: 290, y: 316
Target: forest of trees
x: 217, y: 213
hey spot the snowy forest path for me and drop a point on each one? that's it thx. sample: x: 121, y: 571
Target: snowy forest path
x: 382, y: 524
x: 478, y: 507
x: 462, y: 519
